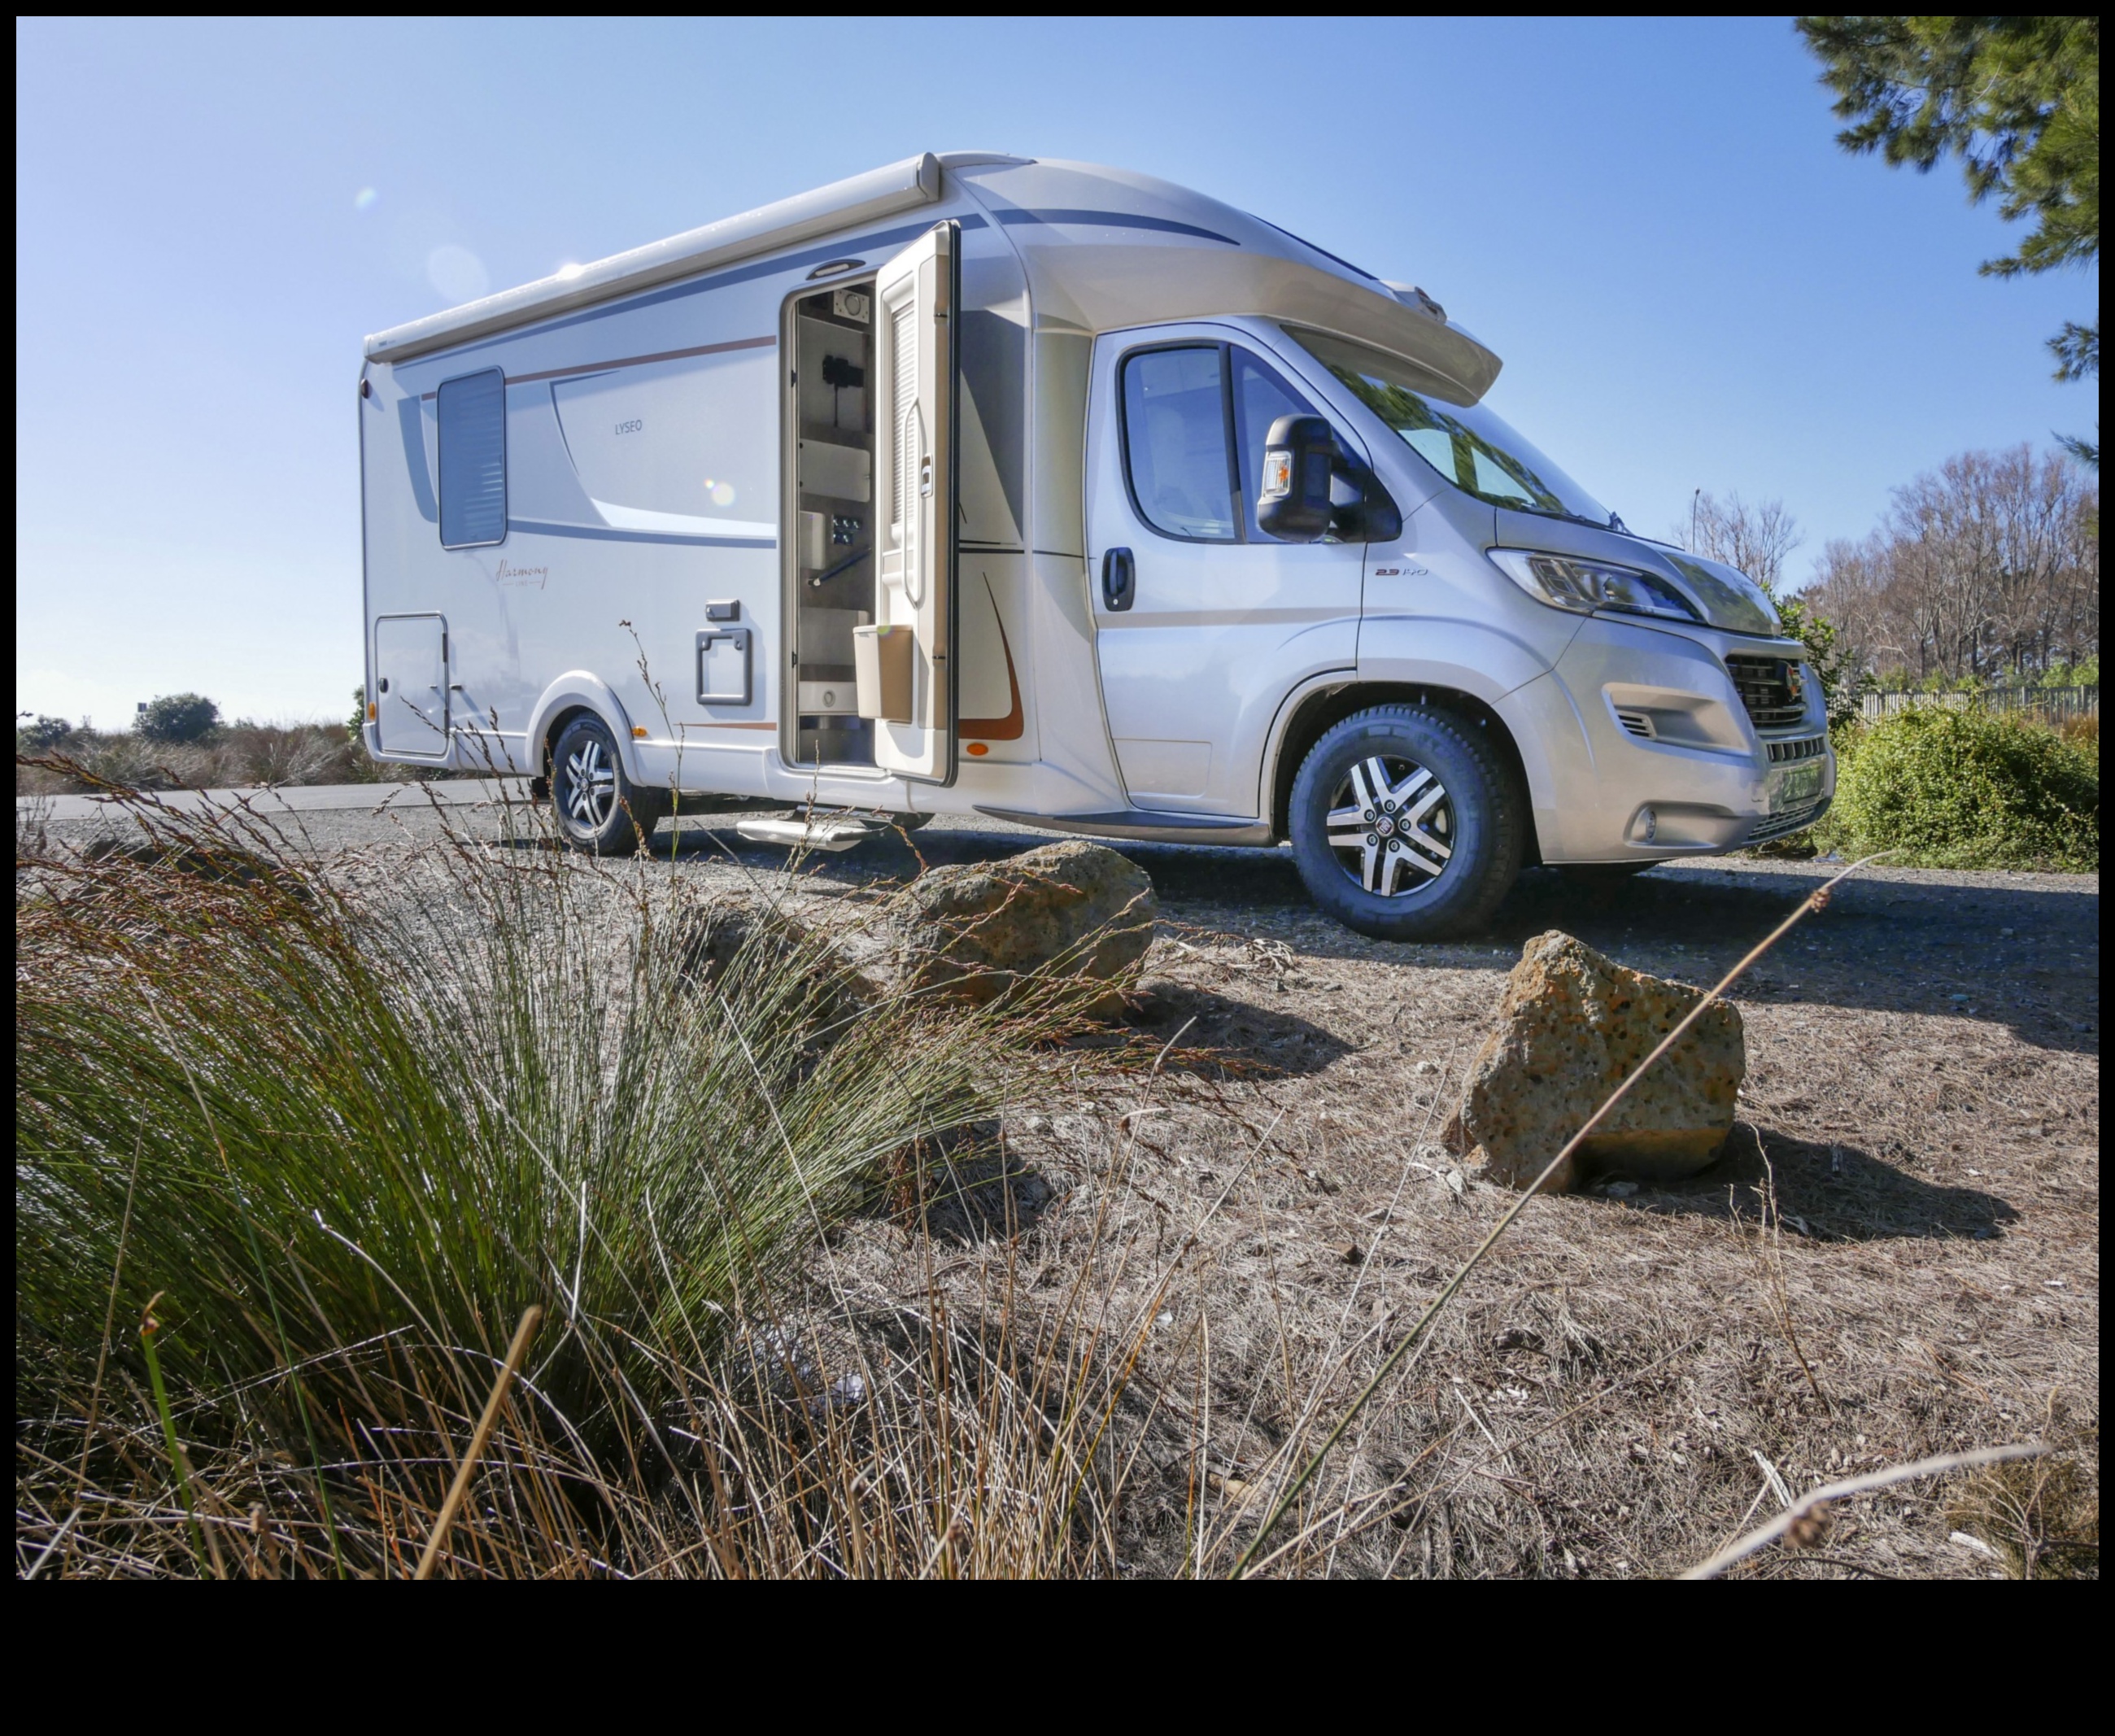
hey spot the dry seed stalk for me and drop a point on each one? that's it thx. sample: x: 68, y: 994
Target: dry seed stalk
x: 516, y: 1353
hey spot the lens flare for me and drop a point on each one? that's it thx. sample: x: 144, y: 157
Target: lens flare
x: 457, y: 272
x: 364, y: 198
x: 722, y: 492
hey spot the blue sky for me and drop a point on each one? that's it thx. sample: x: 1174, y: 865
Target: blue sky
x: 1690, y: 285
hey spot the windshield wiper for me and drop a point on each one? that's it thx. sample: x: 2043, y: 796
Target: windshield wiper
x: 1610, y: 523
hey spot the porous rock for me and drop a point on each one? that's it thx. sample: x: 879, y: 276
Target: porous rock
x: 971, y: 931
x: 1572, y: 1025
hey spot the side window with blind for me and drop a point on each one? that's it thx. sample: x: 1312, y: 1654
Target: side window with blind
x: 473, y: 435
x: 1179, y: 461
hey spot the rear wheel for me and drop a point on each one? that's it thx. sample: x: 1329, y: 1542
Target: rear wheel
x: 599, y: 810
x: 1406, y: 825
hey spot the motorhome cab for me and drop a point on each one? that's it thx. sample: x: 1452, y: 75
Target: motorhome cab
x: 980, y: 484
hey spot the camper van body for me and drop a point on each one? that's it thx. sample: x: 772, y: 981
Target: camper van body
x: 838, y: 505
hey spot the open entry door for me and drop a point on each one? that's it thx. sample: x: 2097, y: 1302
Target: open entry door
x: 917, y: 353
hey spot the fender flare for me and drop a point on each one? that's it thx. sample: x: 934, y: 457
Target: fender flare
x: 1419, y: 652
x: 578, y: 690
x: 1498, y: 680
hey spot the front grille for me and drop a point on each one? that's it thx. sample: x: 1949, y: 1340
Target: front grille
x: 1773, y: 691
x: 1806, y: 748
x: 1791, y: 821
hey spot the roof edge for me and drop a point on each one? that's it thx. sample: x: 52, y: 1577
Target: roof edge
x: 882, y: 192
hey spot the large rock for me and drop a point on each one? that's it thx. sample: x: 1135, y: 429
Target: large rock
x: 1572, y: 1025
x: 972, y: 931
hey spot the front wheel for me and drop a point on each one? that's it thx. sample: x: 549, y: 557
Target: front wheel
x: 599, y: 810
x: 1407, y: 824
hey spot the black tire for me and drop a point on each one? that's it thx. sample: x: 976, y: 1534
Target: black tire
x: 1423, y: 865
x: 599, y: 810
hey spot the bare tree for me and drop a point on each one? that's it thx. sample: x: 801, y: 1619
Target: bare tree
x: 1851, y: 589
x: 1985, y: 568
x: 1755, y: 538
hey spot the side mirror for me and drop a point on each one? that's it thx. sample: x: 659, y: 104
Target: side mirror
x: 1297, y: 457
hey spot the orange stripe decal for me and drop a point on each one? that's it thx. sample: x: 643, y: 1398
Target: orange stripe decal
x: 1014, y: 724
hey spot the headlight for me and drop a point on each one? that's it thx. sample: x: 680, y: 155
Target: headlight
x: 1564, y: 581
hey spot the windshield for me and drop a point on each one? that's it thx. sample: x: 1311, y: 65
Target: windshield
x: 1469, y: 446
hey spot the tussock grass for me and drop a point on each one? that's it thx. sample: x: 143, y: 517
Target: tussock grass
x: 344, y: 1142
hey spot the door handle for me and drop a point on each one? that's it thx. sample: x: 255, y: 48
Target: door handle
x: 1119, y: 579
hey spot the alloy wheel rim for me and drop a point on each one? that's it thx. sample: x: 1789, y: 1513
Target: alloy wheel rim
x: 590, y: 787
x: 1391, y: 826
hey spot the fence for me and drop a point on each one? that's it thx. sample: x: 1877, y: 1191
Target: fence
x: 2055, y: 704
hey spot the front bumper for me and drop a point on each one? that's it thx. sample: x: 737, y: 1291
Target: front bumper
x: 1666, y: 760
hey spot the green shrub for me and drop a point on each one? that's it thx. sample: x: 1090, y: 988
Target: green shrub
x: 179, y: 717
x: 41, y: 735
x: 1966, y: 788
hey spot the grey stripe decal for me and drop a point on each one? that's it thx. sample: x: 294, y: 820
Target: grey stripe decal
x: 1112, y: 220
x: 602, y: 534
x: 415, y: 459
x: 1325, y: 253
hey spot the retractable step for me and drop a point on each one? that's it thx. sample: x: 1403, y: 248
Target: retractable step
x: 833, y: 831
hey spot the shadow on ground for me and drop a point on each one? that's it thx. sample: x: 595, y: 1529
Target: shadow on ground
x: 1217, y: 1037
x: 1830, y: 1193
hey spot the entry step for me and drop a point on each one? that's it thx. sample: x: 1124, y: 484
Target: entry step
x: 831, y: 831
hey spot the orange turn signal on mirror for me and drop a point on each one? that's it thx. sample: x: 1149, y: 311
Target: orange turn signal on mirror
x: 637, y: 733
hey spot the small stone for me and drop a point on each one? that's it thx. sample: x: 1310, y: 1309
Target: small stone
x: 1572, y: 1025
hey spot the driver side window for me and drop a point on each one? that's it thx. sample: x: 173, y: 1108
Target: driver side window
x: 1195, y: 420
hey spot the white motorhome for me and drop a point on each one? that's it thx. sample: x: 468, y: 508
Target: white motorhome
x: 982, y: 484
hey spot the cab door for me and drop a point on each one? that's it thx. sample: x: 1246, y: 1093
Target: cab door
x: 917, y: 352
x: 1203, y: 623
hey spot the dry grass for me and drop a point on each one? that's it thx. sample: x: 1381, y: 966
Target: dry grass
x: 236, y: 756
x: 1891, y: 1263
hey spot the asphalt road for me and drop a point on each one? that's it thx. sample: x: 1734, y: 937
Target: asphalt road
x: 2018, y: 949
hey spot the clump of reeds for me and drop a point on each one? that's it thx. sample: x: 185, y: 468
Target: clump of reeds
x: 338, y: 1144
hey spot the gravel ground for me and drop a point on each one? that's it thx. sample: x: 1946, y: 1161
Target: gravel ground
x: 1636, y: 1369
